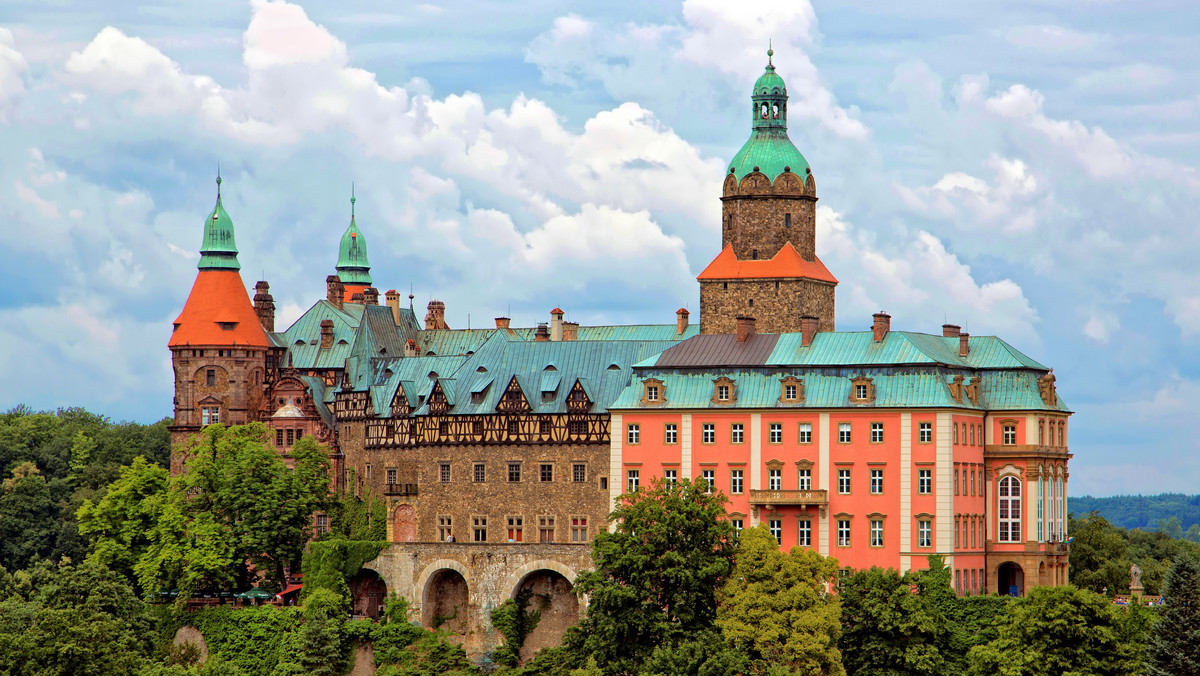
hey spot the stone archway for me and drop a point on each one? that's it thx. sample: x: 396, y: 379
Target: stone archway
x: 404, y: 524
x: 551, y: 595
x: 444, y: 602
x: 368, y: 593
x: 1010, y: 579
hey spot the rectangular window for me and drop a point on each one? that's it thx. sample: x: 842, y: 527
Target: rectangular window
x: 776, y: 526
x: 736, y: 523
x: 955, y: 426
x: 956, y: 481
x: 709, y: 433
x: 514, y: 471
x: 722, y: 392
x: 322, y: 524
x: 877, y: 481
x: 210, y: 377
x: 210, y: 415
x: 843, y: 532
x: 671, y: 476
x: 634, y: 477
x: 972, y: 482
x: 843, y: 481
x: 651, y: 393
x: 516, y: 529
x: 479, y: 472
x: 806, y: 433
x: 877, y: 433
x: 633, y: 433
x: 671, y: 433
x: 710, y: 478
x: 445, y: 533
x: 735, y: 481
x: 844, y: 433
x: 444, y: 472
x: 479, y: 528
x: 775, y: 479
x: 805, y: 533
x: 805, y: 480
x: 924, y: 533
x: 972, y: 434
x: 972, y: 532
x: 578, y: 473
x: 876, y: 532
x: 579, y: 529
x: 958, y: 582
x: 860, y: 391
x: 776, y: 433
x: 546, y: 472
x: 291, y: 438
x: 279, y: 438
x: 926, y: 432
x: 545, y: 529
x: 737, y: 433
x: 1010, y: 435
x: 789, y: 392
x: 603, y: 483
x: 924, y: 481
x: 391, y: 476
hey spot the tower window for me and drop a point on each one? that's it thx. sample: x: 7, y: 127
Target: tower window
x: 787, y: 220
x: 754, y: 254
x: 725, y: 286
x: 210, y: 377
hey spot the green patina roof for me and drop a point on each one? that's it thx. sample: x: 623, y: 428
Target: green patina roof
x: 352, y: 265
x: 769, y: 149
x: 219, y: 251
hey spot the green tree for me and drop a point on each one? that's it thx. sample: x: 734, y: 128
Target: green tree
x: 1174, y: 646
x: 656, y: 577
x: 1058, y: 631
x: 119, y: 524
x: 26, y: 517
x: 775, y: 608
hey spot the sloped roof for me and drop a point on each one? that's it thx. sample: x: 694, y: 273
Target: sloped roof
x: 787, y: 263
x: 218, y: 297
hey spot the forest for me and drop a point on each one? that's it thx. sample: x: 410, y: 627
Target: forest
x: 100, y: 548
x: 1175, y: 514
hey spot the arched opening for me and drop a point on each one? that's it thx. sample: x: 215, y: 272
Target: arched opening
x: 368, y: 593
x: 1010, y: 579
x: 404, y: 524
x: 444, y: 602
x: 553, y: 596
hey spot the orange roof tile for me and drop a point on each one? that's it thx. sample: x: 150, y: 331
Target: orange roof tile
x: 218, y: 296
x: 556, y: 311
x: 786, y: 263
x: 352, y: 289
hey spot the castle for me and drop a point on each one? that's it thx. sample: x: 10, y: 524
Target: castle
x: 499, y: 451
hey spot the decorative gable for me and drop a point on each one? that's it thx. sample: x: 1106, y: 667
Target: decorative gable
x: 862, y: 390
x: 654, y: 392
x: 401, y: 408
x: 956, y: 388
x: 577, y: 399
x: 439, y: 403
x: 791, y: 391
x: 513, y: 400
x: 724, y: 392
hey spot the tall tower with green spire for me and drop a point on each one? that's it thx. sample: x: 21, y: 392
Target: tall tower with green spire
x: 218, y: 251
x: 768, y: 267
x: 352, y: 266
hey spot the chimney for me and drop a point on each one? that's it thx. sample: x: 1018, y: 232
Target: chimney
x: 950, y: 330
x: 371, y: 296
x: 435, y: 317
x: 357, y: 298
x: 326, y: 334
x: 264, y: 306
x: 681, y: 321
x: 556, y: 322
x: 542, y: 335
x: 883, y: 324
x: 808, y: 329
x: 392, y: 297
x: 745, y: 328
x: 964, y: 347
x: 570, y: 330
x: 502, y: 322
x: 410, y: 348
x: 334, y: 291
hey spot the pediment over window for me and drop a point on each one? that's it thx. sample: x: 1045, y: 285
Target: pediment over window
x: 210, y: 401
x: 774, y: 463
x: 804, y: 463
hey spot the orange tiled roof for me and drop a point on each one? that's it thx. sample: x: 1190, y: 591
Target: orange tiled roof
x: 786, y: 263
x: 218, y: 297
x: 352, y: 289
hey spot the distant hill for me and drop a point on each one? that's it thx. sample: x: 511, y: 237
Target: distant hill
x: 1142, y: 511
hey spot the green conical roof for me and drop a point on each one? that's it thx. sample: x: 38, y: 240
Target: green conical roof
x: 352, y: 265
x: 769, y: 149
x: 219, y: 251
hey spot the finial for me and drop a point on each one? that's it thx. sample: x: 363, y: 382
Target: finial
x: 218, y: 179
x: 770, y: 53
x: 352, y: 200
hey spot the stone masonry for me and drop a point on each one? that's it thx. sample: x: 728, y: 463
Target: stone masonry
x: 776, y: 304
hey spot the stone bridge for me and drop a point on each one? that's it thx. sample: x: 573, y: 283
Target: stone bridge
x: 457, y: 585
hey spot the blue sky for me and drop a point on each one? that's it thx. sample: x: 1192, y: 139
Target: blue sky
x: 1025, y: 169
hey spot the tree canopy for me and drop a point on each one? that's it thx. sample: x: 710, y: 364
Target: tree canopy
x: 1174, y: 646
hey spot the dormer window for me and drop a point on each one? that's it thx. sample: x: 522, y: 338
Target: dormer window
x: 791, y: 390
x: 654, y: 392
x: 651, y: 393
x: 724, y: 391
x: 862, y: 390
x: 227, y: 326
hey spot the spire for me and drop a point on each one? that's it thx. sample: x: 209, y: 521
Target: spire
x: 352, y: 265
x: 768, y: 149
x: 218, y: 251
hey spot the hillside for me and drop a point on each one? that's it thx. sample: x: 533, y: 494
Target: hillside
x: 1145, y: 511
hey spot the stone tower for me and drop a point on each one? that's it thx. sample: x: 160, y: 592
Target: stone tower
x: 768, y: 266
x: 218, y: 345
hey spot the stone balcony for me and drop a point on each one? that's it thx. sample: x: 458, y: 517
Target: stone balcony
x: 770, y: 500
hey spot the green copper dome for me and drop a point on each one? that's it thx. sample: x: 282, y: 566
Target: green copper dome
x: 219, y: 251
x: 769, y: 149
x: 352, y: 265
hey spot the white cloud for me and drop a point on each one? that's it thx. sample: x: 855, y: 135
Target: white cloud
x: 1101, y: 325
x: 1051, y: 38
x: 12, y: 72
x: 1008, y: 201
x: 44, y: 207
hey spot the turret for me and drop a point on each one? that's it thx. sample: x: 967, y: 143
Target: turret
x: 352, y: 266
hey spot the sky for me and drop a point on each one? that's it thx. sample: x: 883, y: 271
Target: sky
x: 1025, y: 169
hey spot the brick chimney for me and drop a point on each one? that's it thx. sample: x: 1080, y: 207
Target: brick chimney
x: 502, y: 322
x: 357, y: 298
x: 371, y: 296
x: 745, y: 328
x: 334, y: 291
x: 883, y: 324
x: 556, y: 324
x: 964, y: 345
x: 950, y: 330
x: 435, y: 317
x: 808, y: 329
x: 542, y: 335
x: 392, y: 298
x: 570, y: 331
x: 326, y: 334
x: 681, y: 321
x: 264, y: 306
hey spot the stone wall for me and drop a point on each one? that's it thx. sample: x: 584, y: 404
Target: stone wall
x: 235, y: 388
x: 755, y: 216
x: 776, y: 304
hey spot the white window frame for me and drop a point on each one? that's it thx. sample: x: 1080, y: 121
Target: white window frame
x: 671, y: 476
x: 736, y: 481
x: 633, y: 433
x: 1008, y: 510
x: 775, y: 479
x: 711, y: 477
x: 776, y: 433
x: 843, y: 532
x: 876, y: 481
x: 804, y: 477
x: 843, y: 481
x: 708, y: 433
x: 1009, y: 433
x: 737, y: 433
x: 924, y: 533
x: 925, y: 431
x: 805, y: 433
x: 876, y: 532
x: 925, y: 481
x: 671, y: 433
x: 804, y: 533
x: 844, y: 429
x: 633, y: 477
x: 776, y: 528
x: 877, y: 433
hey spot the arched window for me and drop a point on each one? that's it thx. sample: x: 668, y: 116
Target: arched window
x: 1009, y: 509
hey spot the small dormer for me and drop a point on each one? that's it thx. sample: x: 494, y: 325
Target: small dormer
x: 724, y: 392
x: 862, y: 391
x: 791, y: 391
x: 654, y: 392
x: 513, y: 400
x: 578, y: 400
